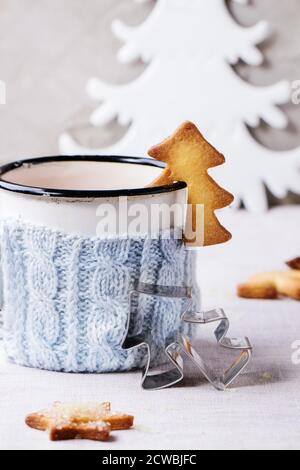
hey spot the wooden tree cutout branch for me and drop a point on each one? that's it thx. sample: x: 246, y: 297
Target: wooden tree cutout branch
x: 188, y: 157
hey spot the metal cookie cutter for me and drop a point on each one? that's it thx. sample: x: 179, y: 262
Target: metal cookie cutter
x: 173, y: 372
x: 154, y: 379
x: 239, y: 344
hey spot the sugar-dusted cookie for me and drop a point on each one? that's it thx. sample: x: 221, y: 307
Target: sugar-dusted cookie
x: 188, y: 157
x: 79, y: 421
x: 272, y: 285
x: 65, y: 431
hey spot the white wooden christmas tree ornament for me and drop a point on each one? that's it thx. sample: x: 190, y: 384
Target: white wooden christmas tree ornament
x: 189, y: 47
x: 177, y: 28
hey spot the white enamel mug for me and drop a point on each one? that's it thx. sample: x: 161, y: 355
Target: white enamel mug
x: 74, y: 193
x: 76, y: 237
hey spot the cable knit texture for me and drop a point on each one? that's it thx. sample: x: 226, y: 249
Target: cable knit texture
x: 66, y: 298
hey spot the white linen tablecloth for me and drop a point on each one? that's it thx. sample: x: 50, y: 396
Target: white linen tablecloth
x: 260, y: 411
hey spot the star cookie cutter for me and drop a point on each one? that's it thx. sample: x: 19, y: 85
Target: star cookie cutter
x: 172, y: 373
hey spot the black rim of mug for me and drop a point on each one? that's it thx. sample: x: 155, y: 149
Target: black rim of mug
x: 38, y: 191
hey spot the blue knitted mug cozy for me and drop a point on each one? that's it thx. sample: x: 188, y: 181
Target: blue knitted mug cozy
x: 66, y: 298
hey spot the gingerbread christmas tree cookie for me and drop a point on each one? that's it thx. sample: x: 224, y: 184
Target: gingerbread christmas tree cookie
x: 188, y: 157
